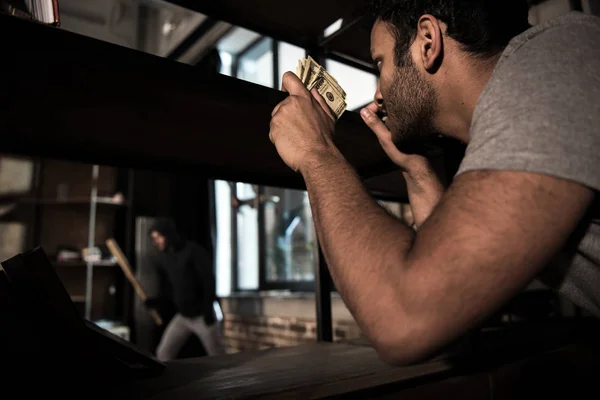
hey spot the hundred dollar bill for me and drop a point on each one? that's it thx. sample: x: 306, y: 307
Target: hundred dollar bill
x: 331, y: 93
x: 313, y: 75
x: 315, y: 66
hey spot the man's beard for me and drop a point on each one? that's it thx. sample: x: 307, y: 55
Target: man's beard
x: 410, y: 103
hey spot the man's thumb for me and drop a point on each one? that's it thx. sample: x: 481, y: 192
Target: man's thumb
x: 376, y: 125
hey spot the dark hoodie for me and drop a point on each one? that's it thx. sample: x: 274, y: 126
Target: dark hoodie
x: 187, y: 268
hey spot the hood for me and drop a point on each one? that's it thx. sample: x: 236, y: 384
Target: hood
x: 166, y: 227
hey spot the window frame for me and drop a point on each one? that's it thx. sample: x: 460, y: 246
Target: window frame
x: 263, y: 283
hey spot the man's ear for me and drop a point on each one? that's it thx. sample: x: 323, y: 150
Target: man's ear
x: 430, y: 42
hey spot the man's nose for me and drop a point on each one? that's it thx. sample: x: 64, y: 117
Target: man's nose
x: 378, y: 96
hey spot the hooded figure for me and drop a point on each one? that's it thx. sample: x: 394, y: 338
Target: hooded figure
x: 187, y: 269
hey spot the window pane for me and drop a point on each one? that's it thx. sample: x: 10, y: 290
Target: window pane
x: 237, y: 40
x: 247, y: 240
x: 402, y: 211
x: 223, y: 238
x: 226, y: 63
x: 360, y: 86
x: 288, y: 57
x: 256, y: 65
x: 156, y: 27
x: 289, y: 236
x: 392, y: 207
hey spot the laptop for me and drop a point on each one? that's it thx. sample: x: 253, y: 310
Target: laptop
x: 39, y: 320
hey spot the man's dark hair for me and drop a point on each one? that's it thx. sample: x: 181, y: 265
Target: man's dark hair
x: 482, y: 27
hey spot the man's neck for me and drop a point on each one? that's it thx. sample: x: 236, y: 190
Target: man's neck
x: 463, y: 90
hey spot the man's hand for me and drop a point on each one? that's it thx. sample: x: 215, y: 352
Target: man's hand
x: 408, y: 162
x: 301, y: 126
x: 424, y: 187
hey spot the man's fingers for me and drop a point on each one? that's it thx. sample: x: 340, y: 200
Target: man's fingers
x: 291, y: 83
x: 271, y: 136
x: 373, y: 107
x: 277, y: 107
x: 376, y: 125
x: 315, y: 93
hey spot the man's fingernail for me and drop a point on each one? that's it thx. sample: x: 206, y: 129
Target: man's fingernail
x: 365, y: 113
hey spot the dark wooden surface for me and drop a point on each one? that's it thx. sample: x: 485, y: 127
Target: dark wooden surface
x: 75, y: 98
x: 334, y: 370
x: 299, y: 23
x: 507, y: 363
x: 311, y: 371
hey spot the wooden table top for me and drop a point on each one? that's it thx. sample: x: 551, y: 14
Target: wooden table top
x: 331, y: 370
x: 310, y: 371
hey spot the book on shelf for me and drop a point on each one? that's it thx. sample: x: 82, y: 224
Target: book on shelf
x: 44, y: 11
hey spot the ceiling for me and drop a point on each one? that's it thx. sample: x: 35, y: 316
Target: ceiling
x: 300, y: 23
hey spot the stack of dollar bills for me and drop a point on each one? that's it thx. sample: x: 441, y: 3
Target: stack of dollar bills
x: 313, y: 75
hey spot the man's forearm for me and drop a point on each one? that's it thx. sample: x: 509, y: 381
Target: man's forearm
x: 363, y: 245
x: 425, y: 190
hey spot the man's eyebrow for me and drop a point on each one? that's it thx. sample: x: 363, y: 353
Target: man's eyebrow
x: 372, y: 54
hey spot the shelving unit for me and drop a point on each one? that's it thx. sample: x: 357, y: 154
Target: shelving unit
x: 82, y: 213
x: 79, y: 264
x: 100, y: 200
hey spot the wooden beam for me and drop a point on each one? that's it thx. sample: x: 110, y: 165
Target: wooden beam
x: 294, y: 22
x: 75, y: 98
x: 353, y: 44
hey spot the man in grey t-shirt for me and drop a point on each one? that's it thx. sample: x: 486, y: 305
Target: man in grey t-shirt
x: 540, y: 113
x: 526, y: 101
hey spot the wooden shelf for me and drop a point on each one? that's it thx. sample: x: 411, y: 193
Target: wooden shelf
x: 74, y: 201
x: 12, y: 198
x: 294, y: 22
x: 298, y: 24
x: 100, y: 103
x: 81, y: 264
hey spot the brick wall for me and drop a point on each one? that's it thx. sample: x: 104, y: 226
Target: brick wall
x: 254, y: 331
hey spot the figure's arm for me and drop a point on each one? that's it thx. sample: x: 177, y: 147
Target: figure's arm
x: 491, y: 234
x: 422, y: 183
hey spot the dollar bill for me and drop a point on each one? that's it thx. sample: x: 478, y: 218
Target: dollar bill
x: 314, y: 76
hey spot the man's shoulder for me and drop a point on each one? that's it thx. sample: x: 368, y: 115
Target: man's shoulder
x: 565, y: 32
x: 540, y: 110
x: 558, y: 59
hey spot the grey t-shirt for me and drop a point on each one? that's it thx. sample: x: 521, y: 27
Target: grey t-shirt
x: 540, y: 112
